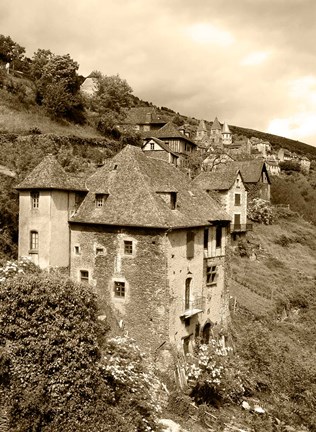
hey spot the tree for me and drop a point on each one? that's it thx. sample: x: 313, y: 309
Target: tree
x: 58, y: 85
x: 112, y: 95
x: 57, y: 370
x: 10, y: 50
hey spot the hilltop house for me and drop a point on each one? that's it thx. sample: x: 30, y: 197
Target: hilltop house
x: 150, y: 244
x: 217, y: 135
x: 157, y: 148
x: 177, y: 141
x: 142, y: 119
x: 255, y: 177
x: 231, y: 193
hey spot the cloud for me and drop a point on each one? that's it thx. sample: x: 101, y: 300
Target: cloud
x: 255, y: 58
x: 246, y: 61
x: 205, y: 33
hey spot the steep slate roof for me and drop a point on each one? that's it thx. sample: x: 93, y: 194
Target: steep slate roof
x: 132, y: 180
x: 225, y: 128
x: 138, y: 115
x: 168, y: 131
x: 202, y: 126
x: 49, y: 174
x: 216, y: 124
x: 162, y: 144
x: 217, y: 180
x: 250, y: 170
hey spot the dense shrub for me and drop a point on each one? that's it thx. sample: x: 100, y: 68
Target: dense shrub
x: 260, y: 210
x: 215, y: 375
x: 54, y: 377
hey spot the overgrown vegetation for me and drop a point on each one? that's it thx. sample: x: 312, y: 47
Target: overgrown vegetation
x: 58, y: 370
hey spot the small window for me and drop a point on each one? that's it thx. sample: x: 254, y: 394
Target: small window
x: 211, y: 273
x: 99, y: 251
x: 77, y: 250
x: 237, y: 199
x: 236, y: 219
x: 35, y: 199
x: 238, y: 182
x: 119, y: 289
x: 218, y: 236
x: 152, y: 146
x: 34, y: 240
x: 84, y: 276
x: 128, y: 247
x: 100, y: 199
x: 190, y: 244
x: 206, y: 238
x: 173, y: 200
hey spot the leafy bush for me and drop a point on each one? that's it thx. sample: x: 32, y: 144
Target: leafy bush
x: 260, y: 210
x: 215, y: 375
x: 55, y: 376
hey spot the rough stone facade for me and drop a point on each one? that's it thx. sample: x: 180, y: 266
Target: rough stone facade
x: 155, y: 275
x: 144, y: 308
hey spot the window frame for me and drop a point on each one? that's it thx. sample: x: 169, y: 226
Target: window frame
x: 34, y: 241
x: 100, y: 199
x: 119, y: 289
x: 212, y: 272
x: 218, y: 236
x: 35, y: 195
x: 84, y: 278
x: 190, y: 244
x: 237, y: 202
x: 128, y: 247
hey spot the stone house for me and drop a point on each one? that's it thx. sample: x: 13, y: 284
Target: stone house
x: 231, y: 192
x: 273, y: 166
x: 255, y: 177
x: 177, y: 141
x: 156, y: 148
x: 149, y: 243
x: 142, y: 119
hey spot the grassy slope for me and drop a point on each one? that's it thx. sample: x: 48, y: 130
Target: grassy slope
x: 274, y: 271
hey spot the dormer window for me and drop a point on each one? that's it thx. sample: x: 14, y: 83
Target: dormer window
x: 100, y: 199
x: 35, y: 199
x: 173, y: 200
x: 169, y: 198
x: 152, y: 146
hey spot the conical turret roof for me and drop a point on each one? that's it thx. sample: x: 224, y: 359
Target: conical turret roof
x: 216, y: 125
x: 49, y: 174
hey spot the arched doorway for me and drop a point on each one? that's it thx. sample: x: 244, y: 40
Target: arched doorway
x: 206, y: 332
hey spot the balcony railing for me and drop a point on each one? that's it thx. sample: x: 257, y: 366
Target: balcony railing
x: 192, y: 307
x: 241, y: 227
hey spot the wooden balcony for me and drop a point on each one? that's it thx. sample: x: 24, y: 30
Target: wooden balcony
x: 241, y: 227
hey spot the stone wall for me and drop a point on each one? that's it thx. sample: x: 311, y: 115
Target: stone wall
x: 143, y: 311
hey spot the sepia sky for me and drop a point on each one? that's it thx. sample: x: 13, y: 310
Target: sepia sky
x: 249, y: 62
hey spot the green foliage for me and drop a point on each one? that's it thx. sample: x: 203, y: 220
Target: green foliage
x: 280, y: 376
x: 9, y: 206
x: 134, y: 381
x: 291, y: 165
x: 10, y: 51
x: 215, y: 376
x: 260, y: 210
x: 58, y: 85
x: 296, y: 191
x: 112, y: 94
x: 54, y: 376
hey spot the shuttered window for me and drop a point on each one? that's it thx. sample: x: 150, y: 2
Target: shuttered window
x: 190, y: 244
